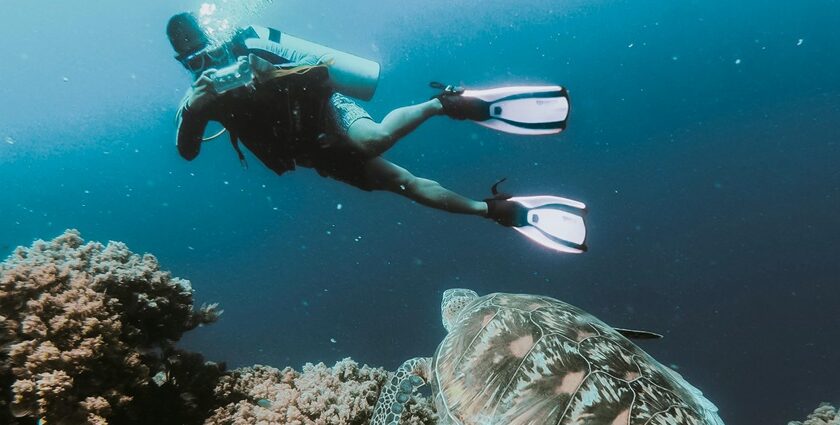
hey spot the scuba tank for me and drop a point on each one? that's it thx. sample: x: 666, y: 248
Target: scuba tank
x: 349, y: 74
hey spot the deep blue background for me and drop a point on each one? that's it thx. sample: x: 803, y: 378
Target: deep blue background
x: 703, y: 137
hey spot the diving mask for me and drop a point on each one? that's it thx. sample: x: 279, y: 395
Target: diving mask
x: 208, y: 57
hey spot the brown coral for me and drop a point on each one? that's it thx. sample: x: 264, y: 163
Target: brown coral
x: 825, y: 414
x: 86, y: 333
x: 317, y: 395
x: 83, y: 327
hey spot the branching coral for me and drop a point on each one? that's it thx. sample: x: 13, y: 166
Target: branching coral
x: 343, y: 394
x: 84, y: 327
x: 825, y: 414
x: 86, y: 337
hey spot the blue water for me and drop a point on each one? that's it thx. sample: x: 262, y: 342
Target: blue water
x: 703, y: 137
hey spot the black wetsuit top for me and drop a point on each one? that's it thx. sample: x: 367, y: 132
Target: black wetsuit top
x: 278, y: 121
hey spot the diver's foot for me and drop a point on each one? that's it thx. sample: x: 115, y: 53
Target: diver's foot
x: 507, y: 213
x: 460, y: 107
x: 463, y: 108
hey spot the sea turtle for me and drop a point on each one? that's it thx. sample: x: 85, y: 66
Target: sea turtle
x: 528, y: 359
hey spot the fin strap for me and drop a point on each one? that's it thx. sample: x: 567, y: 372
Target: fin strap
x: 447, y: 89
x: 495, y: 191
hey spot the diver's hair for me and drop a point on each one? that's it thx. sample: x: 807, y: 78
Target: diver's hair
x: 184, y: 29
x: 298, y: 70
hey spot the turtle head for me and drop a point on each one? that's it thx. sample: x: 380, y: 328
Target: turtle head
x: 453, y: 302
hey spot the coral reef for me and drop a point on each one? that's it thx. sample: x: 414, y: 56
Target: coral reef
x: 825, y: 414
x: 87, y: 336
x: 343, y: 394
x: 85, y: 327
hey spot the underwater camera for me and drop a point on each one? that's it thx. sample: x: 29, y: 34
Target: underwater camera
x: 232, y: 77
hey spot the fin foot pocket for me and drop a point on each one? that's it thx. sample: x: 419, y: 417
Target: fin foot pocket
x: 460, y: 107
x: 551, y: 221
x: 525, y: 110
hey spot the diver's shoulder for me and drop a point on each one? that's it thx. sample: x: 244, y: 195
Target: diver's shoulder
x: 257, y: 31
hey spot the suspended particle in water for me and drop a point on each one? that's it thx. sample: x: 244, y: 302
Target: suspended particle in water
x: 737, y: 61
x: 207, y: 9
x: 799, y: 42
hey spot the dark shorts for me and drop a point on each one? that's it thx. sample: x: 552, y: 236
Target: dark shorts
x: 334, y: 157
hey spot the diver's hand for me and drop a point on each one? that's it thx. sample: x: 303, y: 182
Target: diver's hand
x: 263, y: 69
x: 203, y: 93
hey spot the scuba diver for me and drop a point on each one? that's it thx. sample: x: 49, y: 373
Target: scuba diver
x: 286, y: 100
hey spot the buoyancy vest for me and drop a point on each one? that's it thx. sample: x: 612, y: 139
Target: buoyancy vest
x: 278, y: 120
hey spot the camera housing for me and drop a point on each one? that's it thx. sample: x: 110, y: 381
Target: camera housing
x: 233, y: 77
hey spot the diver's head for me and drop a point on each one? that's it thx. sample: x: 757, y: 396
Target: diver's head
x: 193, y: 45
x: 186, y: 35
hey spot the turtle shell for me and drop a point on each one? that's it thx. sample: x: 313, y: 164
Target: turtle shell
x: 525, y: 359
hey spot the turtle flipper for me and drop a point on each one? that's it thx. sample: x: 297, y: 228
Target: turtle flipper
x: 410, y: 376
x: 637, y: 334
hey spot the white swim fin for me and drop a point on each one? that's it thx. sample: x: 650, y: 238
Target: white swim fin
x: 554, y: 222
x: 551, y: 221
x: 528, y: 110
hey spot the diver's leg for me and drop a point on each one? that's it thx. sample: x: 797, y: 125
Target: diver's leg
x: 384, y: 175
x: 374, y: 138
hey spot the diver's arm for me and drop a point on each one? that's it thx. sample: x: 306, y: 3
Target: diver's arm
x: 190, y: 131
x: 192, y: 117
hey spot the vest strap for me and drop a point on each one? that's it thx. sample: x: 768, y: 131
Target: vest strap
x: 234, y: 141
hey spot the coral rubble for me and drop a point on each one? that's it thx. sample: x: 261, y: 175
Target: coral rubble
x: 84, y: 327
x: 343, y: 394
x: 825, y: 414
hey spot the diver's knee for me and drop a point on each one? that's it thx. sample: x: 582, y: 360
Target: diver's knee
x: 391, y: 179
x: 376, y: 135
x: 413, y: 184
x: 403, y: 182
